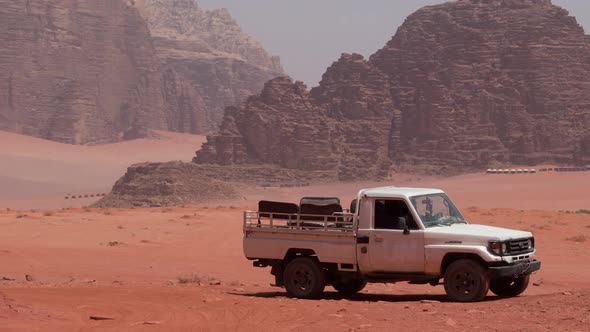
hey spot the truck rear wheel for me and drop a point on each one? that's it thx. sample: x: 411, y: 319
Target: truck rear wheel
x: 466, y: 281
x: 304, y: 278
x: 509, y: 287
x: 350, y: 286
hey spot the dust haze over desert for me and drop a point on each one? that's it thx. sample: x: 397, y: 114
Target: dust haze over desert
x: 135, y: 133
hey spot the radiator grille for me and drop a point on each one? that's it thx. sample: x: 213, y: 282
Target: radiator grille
x: 520, y: 246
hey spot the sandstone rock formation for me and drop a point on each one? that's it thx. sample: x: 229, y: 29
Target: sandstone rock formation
x: 165, y: 184
x: 484, y: 82
x: 87, y: 72
x: 77, y: 71
x: 209, y: 50
x: 461, y: 86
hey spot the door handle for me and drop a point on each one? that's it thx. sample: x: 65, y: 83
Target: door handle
x: 378, y: 239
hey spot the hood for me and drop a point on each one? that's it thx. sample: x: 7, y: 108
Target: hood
x: 463, y: 232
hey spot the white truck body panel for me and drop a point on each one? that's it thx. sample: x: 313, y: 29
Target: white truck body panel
x: 386, y: 250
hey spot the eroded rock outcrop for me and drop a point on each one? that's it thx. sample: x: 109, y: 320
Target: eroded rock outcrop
x: 209, y: 50
x: 77, y: 71
x: 462, y: 85
x: 166, y: 184
x: 95, y: 71
x: 342, y: 126
x: 484, y: 82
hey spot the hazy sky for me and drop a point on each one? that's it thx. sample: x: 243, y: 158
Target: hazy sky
x: 309, y: 35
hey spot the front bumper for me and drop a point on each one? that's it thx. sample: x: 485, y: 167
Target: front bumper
x: 515, y: 270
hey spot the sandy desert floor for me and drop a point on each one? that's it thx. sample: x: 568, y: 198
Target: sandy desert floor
x: 183, y: 269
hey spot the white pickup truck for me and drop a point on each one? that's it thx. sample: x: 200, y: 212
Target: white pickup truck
x: 389, y: 234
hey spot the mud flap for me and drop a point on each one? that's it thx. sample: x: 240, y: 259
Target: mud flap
x: 277, y: 271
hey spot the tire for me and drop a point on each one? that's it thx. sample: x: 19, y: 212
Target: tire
x: 509, y: 287
x: 304, y: 278
x: 349, y: 287
x: 466, y: 281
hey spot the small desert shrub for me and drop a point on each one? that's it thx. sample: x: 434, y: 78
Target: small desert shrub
x: 189, y: 279
x: 578, y: 238
x: 47, y: 214
x: 186, y: 216
x: 583, y: 211
x: 20, y: 216
x: 107, y: 213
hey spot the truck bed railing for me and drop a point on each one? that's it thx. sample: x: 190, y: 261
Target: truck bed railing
x: 268, y: 221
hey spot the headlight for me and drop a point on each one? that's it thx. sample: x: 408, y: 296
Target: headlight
x: 496, y: 247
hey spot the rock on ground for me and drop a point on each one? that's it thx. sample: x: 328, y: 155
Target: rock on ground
x: 165, y: 184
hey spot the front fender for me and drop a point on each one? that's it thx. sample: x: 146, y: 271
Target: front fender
x: 434, y: 255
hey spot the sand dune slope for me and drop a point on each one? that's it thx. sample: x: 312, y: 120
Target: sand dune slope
x: 38, y: 173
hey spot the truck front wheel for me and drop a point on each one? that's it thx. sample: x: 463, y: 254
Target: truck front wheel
x: 509, y: 287
x: 304, y: 278
x: 466, y: 281
x: 350, y: 286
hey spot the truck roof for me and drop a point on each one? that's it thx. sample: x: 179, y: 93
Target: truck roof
x: 399, y: 192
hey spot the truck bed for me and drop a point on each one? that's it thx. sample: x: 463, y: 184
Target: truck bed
x: 270, y: 235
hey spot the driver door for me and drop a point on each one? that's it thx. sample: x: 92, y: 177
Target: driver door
x: 389, y: 250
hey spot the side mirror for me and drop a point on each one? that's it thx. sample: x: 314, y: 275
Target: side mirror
x: 402, y: 224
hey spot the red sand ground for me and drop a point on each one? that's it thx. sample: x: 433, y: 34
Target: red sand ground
x: 183, y: 269
x: 128, y: 265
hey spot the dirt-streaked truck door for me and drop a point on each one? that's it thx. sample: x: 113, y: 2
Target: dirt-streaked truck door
x: 383, y: 243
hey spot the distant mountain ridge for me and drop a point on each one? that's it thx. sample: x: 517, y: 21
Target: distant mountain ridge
x: 95, y: 71
x: 209, y: 50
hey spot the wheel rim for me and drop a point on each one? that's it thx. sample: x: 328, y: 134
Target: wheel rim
x: 465, y: 282
x: 302, y: 278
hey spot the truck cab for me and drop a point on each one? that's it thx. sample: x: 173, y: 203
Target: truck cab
x: 390, y: 234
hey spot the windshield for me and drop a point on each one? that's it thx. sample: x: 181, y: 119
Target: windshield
x: 437, y: 210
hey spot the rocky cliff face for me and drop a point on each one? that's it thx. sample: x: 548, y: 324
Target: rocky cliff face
x: 463, y: 85
x: 94, y: 71
x: 77, y: 71
x: 209, y: 51
x: 483, y: 82
x: 343, y: 125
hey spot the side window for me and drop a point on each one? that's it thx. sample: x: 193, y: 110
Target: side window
x: 388, y: 211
